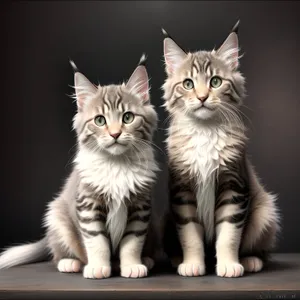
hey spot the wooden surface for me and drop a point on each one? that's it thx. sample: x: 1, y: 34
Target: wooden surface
x: 280, y: 280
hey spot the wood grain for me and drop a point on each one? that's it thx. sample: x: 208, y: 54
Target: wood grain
x: 280, y: 280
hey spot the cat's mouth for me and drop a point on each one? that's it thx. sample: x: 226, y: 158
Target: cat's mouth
x: 203, y: 107
x: 116, y: 143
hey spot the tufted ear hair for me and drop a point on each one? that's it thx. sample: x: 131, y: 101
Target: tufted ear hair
x: 173, y: 54
x: 229, y: 50
x: 138, y: 82
x: 84, y: 89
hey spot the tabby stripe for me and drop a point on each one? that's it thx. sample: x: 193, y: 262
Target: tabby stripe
x: 84, y: 206
x: 144, y: 119
x: 142, y: 208
x: 97, y: 218
x: 195, y: 66
x: 231, y: 97
x: 83, y: 197
x: 233, y: 87
x: 181, y: 201
x: 233, y: 200
x: 245, y: 204
x: 174, y: 86
x: 184, y: 220
x: 93, y: 232
x: 236, y: 218
x: 234, y: 177
x: 234, y: 186
x: 206, y: 66
x: 137, y: 233
x: 100, y: 209
x: 142, y: 132
x: 118, y: 101
x: 84, y: 124
x: 144, y: 218
x: 176, y: 99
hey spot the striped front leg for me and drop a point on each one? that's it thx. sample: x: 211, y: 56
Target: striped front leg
x: 190, y: 232
x: 92, y: 218
x: 230, y: 215
x: 133, y: 241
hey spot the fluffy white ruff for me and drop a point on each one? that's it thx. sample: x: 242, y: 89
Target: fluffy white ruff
x: 116, y: 177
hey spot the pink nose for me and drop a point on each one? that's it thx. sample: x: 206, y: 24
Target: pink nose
x: 203, y: 98
x: 115, y: 135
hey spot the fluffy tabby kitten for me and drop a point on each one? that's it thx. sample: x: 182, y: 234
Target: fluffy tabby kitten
x: 105, y: 205
x: 216, y: 197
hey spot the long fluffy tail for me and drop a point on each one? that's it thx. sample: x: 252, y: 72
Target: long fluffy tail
x: 24, y: 254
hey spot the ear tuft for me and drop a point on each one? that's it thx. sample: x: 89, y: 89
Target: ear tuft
x: 229, y: 50
x: 138, y: 82
x: 143, y: 60
x: 84, y: 89
x: 74, y: 67
x: 166, y: 35
x: 236, y: 27
x: 173, y: 54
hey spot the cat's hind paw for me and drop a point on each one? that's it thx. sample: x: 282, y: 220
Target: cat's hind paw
x: 252, y: 264
x: 69, y: 265
x: 230, y: 269
x: 148, y: 262
x: 95, y: 272
x: 134, y: 271
x: 191, y: 269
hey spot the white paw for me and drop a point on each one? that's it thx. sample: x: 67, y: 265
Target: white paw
x: 191, y: 269
x: 230, y: 269
x: 134, y: 271
x: 96, y: 272
x: 69, y: 265
x: 252, y: 264
x: 148, y: 262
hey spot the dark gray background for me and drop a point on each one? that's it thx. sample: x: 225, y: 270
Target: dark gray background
x: 106, y: 40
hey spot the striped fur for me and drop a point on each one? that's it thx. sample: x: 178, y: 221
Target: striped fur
x: 104, y: 209
x: 215, y: 195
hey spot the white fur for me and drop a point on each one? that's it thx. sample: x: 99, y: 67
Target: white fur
x: 116, y: 177
x: 23, y: 254
x: 202, y: 154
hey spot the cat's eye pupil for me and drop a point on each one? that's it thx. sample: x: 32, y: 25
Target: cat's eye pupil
x: 188, y: 84
x: 128, y: 117
x: 100, y: 120
x: 215, y: 82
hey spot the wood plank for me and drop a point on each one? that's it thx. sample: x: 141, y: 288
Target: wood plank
x: 280, y: 280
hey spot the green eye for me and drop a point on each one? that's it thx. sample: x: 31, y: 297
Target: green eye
x: 128, y: 117
x: 215, y: 82
x: 100, y: 121
x: 188, y: 84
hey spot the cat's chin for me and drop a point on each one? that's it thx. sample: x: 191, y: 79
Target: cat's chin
x: 117, y: 149
x: 204, y: 113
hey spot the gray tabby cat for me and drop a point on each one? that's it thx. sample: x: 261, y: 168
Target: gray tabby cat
x: 215, y: 195
x: 105, y: 204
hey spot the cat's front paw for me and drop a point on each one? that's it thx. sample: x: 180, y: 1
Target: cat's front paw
x: 93, y: 271
x: 191, y: 269
x: 134, y: 271
x: 230, y: 269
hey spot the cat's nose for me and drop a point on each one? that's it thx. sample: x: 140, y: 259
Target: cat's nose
x: 115, y: 135
x: 203, y: 98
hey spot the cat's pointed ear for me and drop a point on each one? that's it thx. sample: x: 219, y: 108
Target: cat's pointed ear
x: 229, y: 50
x: 138, y: 82
x: 173, y: 54
x: 84, y: 89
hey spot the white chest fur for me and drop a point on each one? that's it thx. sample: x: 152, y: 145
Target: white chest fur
x: 117, y: 179
x: 201, y: 151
